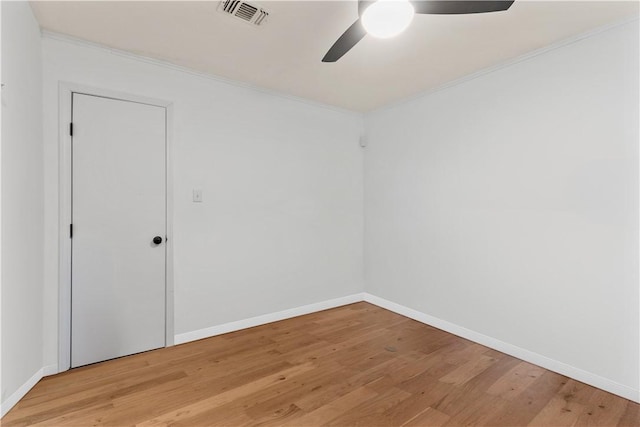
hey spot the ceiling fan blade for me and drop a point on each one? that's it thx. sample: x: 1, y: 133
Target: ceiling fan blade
x: 349, y: 39
x: 455, y: 7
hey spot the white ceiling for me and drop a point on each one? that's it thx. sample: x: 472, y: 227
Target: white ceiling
x: 285, y: 54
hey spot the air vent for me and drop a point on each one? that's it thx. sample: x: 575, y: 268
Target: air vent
x: 242, y: 10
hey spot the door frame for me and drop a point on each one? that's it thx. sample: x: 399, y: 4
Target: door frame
x: 65, y: 93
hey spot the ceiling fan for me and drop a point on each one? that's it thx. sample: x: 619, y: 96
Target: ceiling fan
x: 387, y: 18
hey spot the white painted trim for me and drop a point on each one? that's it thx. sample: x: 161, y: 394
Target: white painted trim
x: 504, y: 64
x: 267, y: 318
x: 64, y: 218
x: 169, y: 290
x: 49, y: 370
x: 510, y: 349
x: 11, y: 401
x: 166, y: 64
x: 64, y: 187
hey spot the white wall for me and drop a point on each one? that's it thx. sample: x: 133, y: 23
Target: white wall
x: 281, y: 224
x: 508, y: 204
x: 22, y: 198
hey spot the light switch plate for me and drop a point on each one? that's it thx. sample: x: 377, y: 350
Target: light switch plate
x: 197, y: 195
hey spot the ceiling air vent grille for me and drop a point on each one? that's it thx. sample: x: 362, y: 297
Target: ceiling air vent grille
x: 247, y: 12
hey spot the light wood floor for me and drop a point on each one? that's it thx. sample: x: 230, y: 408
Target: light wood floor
x: 354, y: 365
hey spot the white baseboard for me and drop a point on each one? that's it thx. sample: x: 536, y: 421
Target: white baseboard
x: 515, y: 351
x: 49, y: 370
x: 510, y: 349
x: 11, y: 401
x: 266, y: 318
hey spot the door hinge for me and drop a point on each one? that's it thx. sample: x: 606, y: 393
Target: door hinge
x: 71, y: 129
x: 71, y: 231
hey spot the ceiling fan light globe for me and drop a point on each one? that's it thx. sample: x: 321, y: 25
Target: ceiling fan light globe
x: 387, y: 18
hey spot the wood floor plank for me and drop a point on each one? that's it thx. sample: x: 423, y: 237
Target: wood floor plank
x: 406, y: 410
x: 228, y: 396
x: 428, y: 417
x: 333, y: 409
x: 60, y: 407
x: 369, y: 413
x: 134, y: 407
x: 353, y: 365
x: 473, y: 412
x: 558, y: 412
x: 531, y: 401
x: 575, y: 391
x: 82, y: 417
x: 492, y: 374
x: 604, y: 409
x: 468, y: 371
x: 631, y: 416
x: 517, y: 379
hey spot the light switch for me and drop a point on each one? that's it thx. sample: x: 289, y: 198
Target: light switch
x: 197, y: 195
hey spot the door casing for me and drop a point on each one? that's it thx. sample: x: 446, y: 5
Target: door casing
x: 65, y: 173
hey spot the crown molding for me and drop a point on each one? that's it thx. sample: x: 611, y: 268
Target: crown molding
x: 52, y: 35
x: 505, y: 64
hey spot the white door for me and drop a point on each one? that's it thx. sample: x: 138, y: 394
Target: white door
x: 118, y: 208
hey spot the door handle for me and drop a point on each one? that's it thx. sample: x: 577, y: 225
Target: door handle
x: 157, y: 240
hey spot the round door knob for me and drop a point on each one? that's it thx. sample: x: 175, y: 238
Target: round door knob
x: 157, y: 240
